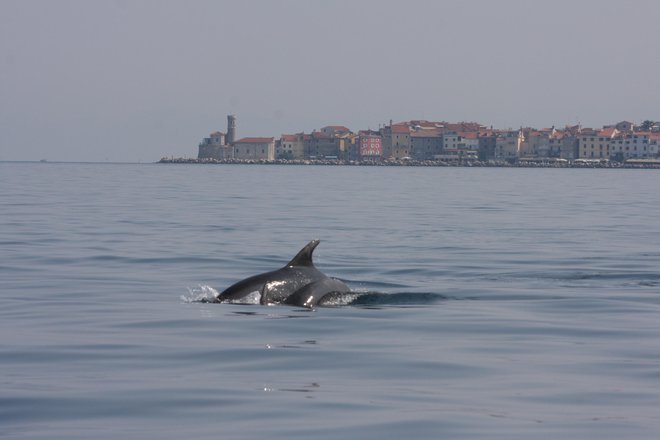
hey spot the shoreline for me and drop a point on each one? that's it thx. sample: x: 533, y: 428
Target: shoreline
x: 634, y: 164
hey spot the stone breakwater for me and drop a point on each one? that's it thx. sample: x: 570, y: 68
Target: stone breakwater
x: 651, y: 164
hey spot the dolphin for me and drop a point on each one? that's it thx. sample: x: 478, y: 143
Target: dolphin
x: 298, y: 283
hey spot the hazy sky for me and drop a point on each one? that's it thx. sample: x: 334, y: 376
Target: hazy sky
x: 137, y: 80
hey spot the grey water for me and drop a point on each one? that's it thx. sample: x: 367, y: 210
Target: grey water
x: 490, y: 303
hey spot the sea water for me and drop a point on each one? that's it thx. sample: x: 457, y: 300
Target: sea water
x: 490, y: 303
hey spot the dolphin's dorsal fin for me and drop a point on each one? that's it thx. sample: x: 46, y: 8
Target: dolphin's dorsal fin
x: 304, y: 257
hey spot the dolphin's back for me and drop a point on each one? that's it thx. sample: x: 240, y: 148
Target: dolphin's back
x: 297, y: 283
x: 311, y: 294
x: 244, y: 287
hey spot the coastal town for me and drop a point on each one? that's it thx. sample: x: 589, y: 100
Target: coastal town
x: 421, y: 142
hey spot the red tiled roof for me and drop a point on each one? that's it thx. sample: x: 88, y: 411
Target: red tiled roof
x: 400, y: 128
x: 428, y: 133
x: 320, y: 135
x: 464, y: 126
x: 289, y: 137
x: 469, y: 135
x: 426, y: 124
x: 607, y: 132
x: 255, y: 140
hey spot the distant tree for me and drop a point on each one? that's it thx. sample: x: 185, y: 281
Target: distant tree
x: 646, y: 125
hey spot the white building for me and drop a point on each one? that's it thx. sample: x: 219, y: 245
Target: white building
x: 639, y: 145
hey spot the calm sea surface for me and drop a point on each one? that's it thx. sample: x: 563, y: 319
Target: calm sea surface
x: 492, y: 303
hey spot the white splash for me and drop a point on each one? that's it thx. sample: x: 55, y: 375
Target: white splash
x: 200, y: 293
x: 342, y: 300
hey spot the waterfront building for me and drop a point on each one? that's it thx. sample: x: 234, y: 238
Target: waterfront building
x: 547, y: 143
x: 486, y: 144
x: 567, y: 142
x: 585, y: 137
x: 396, y: 140
x: 595, y: 144
x: 536, y: 143
x: 451, y: 140
x: 386, y: 134
x: 637, y: 145
x: 426, y: 143
x: 508, y: 143
x: 369, y: 145
x: 400, y: 141
x: 214, y: 147
x: 319, y: 145
x: 565, y: 145
x: 469, y: 141
x: 553, y: 144
x: 562, y: 145
x: 291, y: 146
x: 254, y: 148
x: 346, y: 143
x: 654, y: 143
x: 218, y: 146
x: 460, y: 144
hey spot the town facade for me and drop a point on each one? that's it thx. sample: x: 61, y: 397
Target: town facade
x: 442, y: 141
